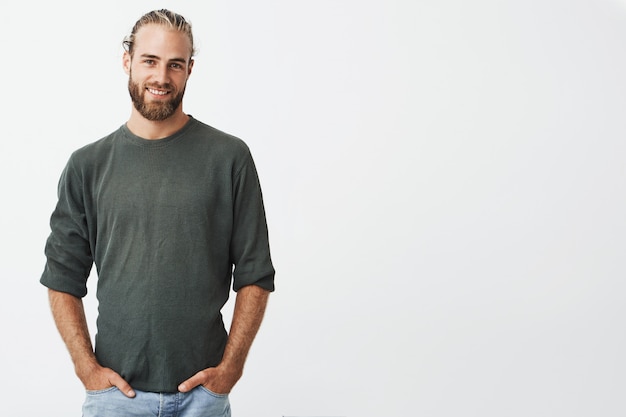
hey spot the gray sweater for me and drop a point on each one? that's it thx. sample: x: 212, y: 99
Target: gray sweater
x: 169, y: 224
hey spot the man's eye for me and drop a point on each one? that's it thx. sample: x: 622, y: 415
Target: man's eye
x: 149, y: 61
x: 177, y: 66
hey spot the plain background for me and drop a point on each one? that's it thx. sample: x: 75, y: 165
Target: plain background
x: 444, y: 183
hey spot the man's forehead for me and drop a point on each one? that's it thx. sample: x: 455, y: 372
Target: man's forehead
x: 156, y: 39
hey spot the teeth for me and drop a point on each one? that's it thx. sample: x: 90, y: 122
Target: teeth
x: 157, y: 92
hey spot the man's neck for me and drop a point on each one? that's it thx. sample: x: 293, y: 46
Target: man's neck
x: 148, y: 129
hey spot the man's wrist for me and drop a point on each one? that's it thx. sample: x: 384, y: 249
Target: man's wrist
x: 230, y: 370
x: 86, y: 368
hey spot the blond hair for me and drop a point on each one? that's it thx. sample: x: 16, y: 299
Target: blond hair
x: 163, y: 17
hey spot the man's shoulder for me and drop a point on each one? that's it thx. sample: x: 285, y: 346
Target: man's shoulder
x: 94, y: 148
x: 219, y: 138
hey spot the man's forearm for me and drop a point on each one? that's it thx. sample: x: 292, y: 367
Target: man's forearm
x: 249, y: 310
x: 69, y: 316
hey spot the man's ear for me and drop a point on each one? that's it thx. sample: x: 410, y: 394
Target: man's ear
x: 191, y: 61
x: 126, y: 62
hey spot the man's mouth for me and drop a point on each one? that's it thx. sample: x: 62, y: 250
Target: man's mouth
x: 157, y: 92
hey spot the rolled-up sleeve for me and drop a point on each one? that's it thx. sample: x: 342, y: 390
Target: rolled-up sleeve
x: 250, y: 252
x: 68, y: 254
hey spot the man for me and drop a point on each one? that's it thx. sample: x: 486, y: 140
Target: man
x: 170, y: 211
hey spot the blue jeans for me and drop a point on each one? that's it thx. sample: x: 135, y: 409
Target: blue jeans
x: 200, y: 402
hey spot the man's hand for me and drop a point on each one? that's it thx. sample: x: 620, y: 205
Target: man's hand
x: 218, y: 380
x: 96, y: 377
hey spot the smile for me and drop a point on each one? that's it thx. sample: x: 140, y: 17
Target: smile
x: 157, y: 92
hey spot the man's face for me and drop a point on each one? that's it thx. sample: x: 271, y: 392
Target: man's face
x: 158, y: 71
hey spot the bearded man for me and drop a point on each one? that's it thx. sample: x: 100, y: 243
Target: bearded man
x: 170, y: 211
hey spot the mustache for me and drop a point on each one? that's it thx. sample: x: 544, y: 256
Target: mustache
x: 166, y: 86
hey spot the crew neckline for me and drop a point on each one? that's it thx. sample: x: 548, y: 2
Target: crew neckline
x: 157, y: 143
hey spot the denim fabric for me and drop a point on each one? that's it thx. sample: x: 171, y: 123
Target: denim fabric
x: 200, y: 402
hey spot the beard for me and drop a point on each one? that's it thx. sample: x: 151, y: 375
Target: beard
x: 158, y: 110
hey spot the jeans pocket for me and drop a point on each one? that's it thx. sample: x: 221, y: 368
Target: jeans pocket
x: 204, y: 402
x: 211, y: 393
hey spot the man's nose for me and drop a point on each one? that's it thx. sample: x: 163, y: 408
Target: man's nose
x: 161, y: 74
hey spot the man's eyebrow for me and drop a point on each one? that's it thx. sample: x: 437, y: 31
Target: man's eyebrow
x: 149, y: 56
x: 155, y: 57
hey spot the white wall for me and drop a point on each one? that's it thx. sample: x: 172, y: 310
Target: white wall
x: 444, y: 183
